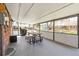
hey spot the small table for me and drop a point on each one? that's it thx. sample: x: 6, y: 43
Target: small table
x: 13, y: 38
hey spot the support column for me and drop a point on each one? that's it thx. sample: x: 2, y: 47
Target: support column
x: 78, y: 29
x: 53, y: 30
x: 18, y: 29
x: 39, y: 27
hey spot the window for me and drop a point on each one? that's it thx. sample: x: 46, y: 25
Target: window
x: 36, y: 26
x: 43, y: 27
x: 59, y: 25
x: 50, y: 26
x: 31, y: 26
x: 68, y: 25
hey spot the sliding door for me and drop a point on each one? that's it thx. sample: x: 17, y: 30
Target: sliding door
x: 66, y: 31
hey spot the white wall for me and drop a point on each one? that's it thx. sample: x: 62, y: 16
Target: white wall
x: 48, y: 35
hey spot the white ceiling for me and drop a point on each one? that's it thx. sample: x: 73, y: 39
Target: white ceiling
x: 30, y: 12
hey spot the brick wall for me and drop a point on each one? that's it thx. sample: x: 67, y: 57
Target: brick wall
x: 6, y: 37
x: 6, y: 29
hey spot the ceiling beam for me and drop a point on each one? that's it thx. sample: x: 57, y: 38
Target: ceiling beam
x: 28, y: 10
x: 19, y: 9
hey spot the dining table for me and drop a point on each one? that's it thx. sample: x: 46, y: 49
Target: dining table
x: 33, y: 36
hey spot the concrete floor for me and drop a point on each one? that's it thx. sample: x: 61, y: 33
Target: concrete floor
x: 45, y: 48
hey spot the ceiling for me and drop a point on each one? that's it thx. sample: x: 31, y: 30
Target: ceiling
x: 30, y: 12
